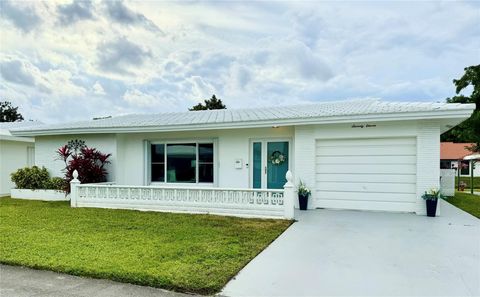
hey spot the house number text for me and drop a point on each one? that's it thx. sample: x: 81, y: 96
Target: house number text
x: 363, y: 125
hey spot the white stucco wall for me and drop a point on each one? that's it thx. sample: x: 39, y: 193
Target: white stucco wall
x: 46, y: 147
x: 231, y: 145
x: 128, y: 152
x: 428, y: 154
x: 129, y: 166
x: 13, y: 155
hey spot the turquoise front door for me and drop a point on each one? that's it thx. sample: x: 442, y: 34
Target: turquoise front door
x: 269, y: 161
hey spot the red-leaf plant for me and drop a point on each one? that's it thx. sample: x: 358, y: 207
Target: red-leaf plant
x: 89, y: 162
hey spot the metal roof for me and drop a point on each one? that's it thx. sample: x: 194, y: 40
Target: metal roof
x: 5, y: 128
x: 257, y: 117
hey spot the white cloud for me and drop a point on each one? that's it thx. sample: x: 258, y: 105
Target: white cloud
x: 98, y: 89
x: 110, y: 57
x: 149, y: 102
x: 137, y: 98
x: 22, y: 15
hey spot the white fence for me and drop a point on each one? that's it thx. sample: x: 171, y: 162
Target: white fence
x: 221, y: 201
x: 447, y: 182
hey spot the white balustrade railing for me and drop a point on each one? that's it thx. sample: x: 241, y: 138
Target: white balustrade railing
x: 223, y: 201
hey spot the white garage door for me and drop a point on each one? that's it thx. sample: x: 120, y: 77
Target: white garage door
x: 371, y: 174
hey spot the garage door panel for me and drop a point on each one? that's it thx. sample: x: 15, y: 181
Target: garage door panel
x: 366, y: 159
x: 369, y: 187
x: 375, y: 174
x: 365, y: 169
x: 409, y: 141
x: 378, y: 150
x: 393, y: 178
x: 363, y: 196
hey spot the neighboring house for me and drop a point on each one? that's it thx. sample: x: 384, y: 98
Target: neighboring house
x: 361, y: 154
x: 451, y: 153
x: 15, y: 152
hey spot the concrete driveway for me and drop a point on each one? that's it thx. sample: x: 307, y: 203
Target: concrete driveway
x: 353, y: 253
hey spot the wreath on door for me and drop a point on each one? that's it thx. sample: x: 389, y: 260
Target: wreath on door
x: 277, y: 158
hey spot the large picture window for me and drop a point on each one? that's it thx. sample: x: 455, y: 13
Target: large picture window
x: 182, y: 162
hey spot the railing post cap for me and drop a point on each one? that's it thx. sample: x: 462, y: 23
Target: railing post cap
x: 289, y: 178
x: 75, y: 177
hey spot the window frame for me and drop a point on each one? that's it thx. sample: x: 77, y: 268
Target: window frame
x: 148, y: 165
x: 467, y: 167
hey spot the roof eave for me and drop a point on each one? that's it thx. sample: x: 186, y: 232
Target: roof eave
x: 17, y: 138
x: 429, y: 115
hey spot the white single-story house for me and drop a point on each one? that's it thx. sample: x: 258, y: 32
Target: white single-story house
x: 452, y: 153
x: 15, y: 152
x: 360, y: 154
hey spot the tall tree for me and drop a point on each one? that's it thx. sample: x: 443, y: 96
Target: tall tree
x: 469, y: 130
x: 9, y: 113
x: 212, y: 103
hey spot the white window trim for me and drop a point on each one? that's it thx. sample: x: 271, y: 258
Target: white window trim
x: 148, y: 168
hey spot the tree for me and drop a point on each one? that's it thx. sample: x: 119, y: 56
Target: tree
x: 469, y: 130
x: 212, y: 103
x: 8, y: 113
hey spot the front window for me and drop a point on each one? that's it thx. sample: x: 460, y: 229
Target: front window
x: 182, y: 162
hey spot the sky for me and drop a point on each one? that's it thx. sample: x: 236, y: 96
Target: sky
x: 69, y: 61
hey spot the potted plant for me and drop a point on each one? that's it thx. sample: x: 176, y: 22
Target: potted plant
x: 303, y: 193
x: 431, y: 198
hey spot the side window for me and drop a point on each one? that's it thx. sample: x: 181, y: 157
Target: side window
x: 158, y: 162
x: 205, y: 162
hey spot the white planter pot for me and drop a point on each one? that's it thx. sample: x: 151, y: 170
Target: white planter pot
x: 45, y: 195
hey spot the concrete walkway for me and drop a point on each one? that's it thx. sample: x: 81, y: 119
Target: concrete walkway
x: 23, y: 282
x: 354, y: 253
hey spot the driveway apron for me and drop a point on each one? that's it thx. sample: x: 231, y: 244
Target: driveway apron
x: 339, y: 252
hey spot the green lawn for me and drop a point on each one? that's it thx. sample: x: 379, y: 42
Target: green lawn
x: 466, y: 179
x: 181, y: 252
x: 466, y: 201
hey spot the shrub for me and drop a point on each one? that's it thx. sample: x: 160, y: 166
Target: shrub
x: 89, y: 163
x: 31, y: 178
x: 57, y: 183
x: 36, y: 178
